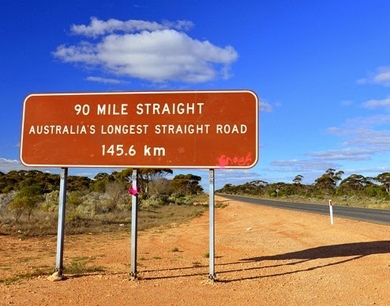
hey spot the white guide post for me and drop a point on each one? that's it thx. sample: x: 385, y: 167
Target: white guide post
x: 331, y: 212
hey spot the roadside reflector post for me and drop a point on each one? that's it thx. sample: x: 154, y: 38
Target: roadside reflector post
x: 331, y: 212
x: 57, y: 275
x: 134, y: 223
x: 212, y: 226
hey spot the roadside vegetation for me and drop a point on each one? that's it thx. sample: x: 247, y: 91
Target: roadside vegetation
x: 29, y: 201
x: 354, y: 190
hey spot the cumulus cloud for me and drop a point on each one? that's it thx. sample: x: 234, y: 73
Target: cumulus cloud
x: 7, y: 165
x: 381, y: 77
x: 99, y: 27
x: 265, y: 106
x: 156, y: 52
x: 375, y: 104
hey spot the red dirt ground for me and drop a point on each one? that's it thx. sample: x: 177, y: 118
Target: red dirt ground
x: 264, y: 256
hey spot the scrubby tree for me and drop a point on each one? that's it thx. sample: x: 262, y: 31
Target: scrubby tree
x: 145, y: 177
x: 334, y: 176
x: 26, y: 200
x: 298, y: 179
x: 114, y: 191
x: 78, y: 183
x: 148, y: 175
x: 384, y: 179
x: 122, y: 176
x: 187, y: 184
x: 160, y: 187
x: 354, y: 184
x: 100, y: 181
x: 328, y: 181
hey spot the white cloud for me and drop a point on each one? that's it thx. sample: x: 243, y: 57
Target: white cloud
x: 367, y: 121
x: 371, y: 170
x: 234, y: 177
x: 353, y: 154
x: 265, y: 106
x: 374, y: 104
x: 381, y: 77
x: 99, y: 27
x: 148, y: 51
x: 310, y: 169
x: 362, y: 141
x: 303, y: 165
x: 7, y: 165
x: 377, y: 141
x: 103, y: 80
x: 321, y: 161
x: 364, y: 132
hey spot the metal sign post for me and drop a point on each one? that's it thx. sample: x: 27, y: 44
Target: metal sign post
x: 61, y: 222
x: 212, y: 226
x: 57, y: 275
x: 134, y: 222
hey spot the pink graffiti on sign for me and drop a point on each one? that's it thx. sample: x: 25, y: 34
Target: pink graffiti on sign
x: 225, y: 161
x: 133, y: 191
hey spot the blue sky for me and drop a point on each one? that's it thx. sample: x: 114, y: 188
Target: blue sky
x: 321, y: 70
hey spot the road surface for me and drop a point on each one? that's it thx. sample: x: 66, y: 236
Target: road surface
x: 379, y: 216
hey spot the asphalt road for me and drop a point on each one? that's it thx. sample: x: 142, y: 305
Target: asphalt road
x: 380, y: 216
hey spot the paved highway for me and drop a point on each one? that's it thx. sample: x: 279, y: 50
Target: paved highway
x: 380, y: 216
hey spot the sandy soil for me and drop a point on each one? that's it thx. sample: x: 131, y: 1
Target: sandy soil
x: 264, y: 256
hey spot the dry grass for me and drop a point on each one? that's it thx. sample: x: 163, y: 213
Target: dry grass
x: 46, y: 223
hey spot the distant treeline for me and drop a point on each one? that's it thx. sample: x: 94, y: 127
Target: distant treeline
x: 48, y: 182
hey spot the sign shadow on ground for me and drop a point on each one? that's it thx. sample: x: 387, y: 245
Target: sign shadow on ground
x: 352, y: 251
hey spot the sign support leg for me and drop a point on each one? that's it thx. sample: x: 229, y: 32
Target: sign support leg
x: 57, y: 275
x: 134, y: 222
x: 212, y: 275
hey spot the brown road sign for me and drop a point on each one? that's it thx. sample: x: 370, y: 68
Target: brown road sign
x: 155, y: 129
